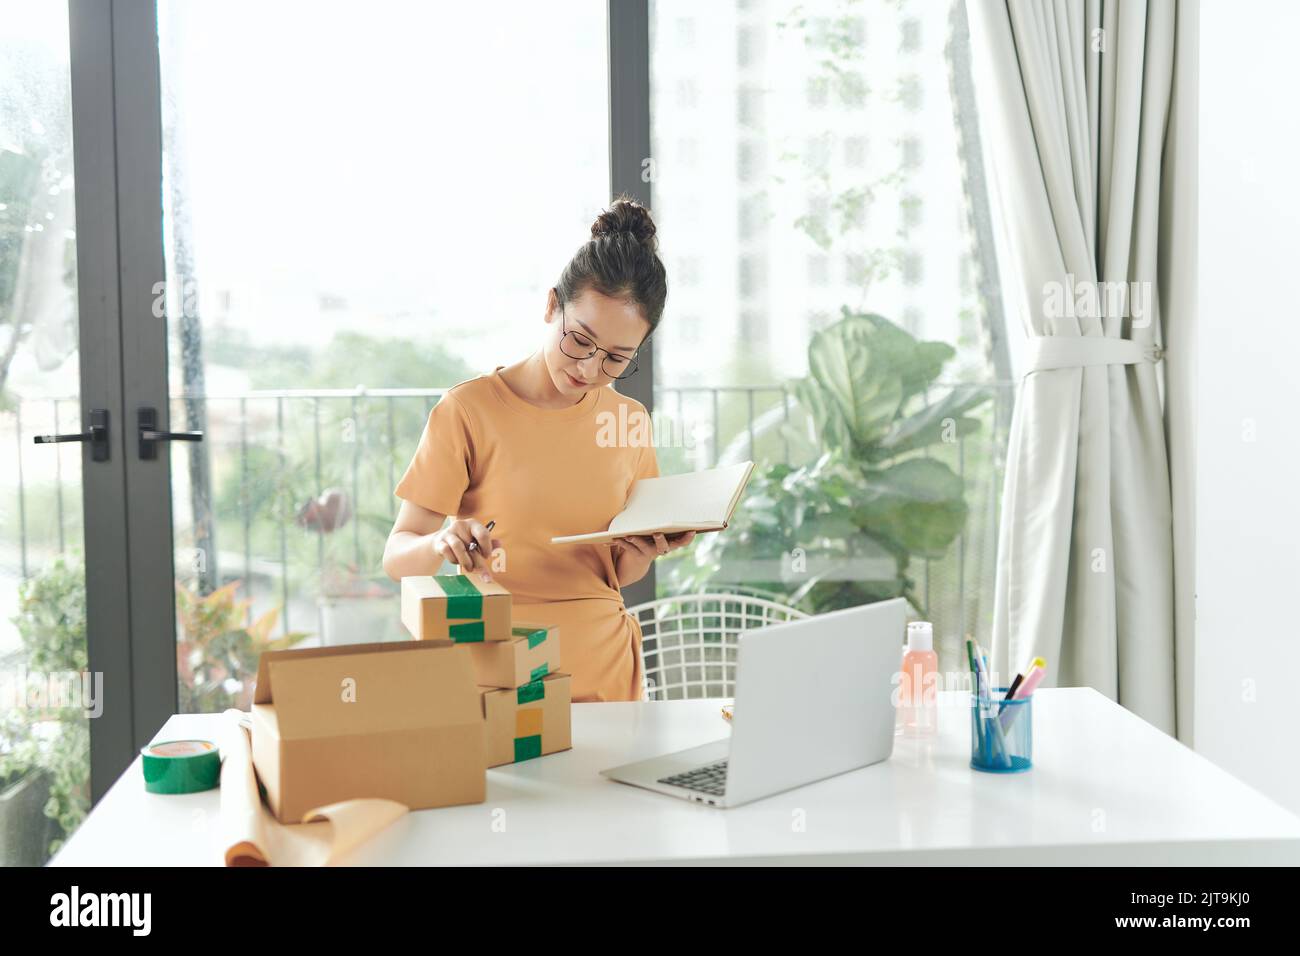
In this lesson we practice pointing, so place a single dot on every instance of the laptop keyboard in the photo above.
(710, 779)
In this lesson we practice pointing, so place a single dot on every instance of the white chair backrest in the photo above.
(689, 641)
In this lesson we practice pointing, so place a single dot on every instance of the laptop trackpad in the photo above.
(654, 768)
(701, 755)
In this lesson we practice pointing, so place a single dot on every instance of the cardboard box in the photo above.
(455, 608)
(529, 721)
(533, 653)
(402, 721)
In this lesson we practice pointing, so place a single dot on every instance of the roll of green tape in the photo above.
(181, 766)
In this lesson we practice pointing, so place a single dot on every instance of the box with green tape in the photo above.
(528, 721)
(532, 653)
(455, 608)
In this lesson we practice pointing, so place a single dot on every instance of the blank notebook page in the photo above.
(699, 498)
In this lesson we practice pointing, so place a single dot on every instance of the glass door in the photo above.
(48, 696)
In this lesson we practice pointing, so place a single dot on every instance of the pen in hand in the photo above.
(473, 546)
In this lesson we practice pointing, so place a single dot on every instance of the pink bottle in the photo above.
(918, 686)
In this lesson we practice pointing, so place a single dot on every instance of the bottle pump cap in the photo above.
(920, 636)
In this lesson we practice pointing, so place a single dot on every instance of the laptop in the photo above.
(813, 699)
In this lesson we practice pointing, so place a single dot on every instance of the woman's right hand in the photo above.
(452, 544)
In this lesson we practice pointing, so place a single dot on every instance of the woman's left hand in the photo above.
(656, 545)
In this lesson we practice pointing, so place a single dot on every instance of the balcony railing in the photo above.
(267, 453)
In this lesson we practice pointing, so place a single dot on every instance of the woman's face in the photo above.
(594, 320)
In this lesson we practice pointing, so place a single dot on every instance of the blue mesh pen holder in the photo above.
(1001, 733)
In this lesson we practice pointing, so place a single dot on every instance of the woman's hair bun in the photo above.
(626, 215)
(620, 259)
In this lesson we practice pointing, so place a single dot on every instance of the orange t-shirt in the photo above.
(488, 454)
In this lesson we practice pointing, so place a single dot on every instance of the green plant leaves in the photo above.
(917, 364)
(870, 502)
(917, 504)
(942, 421)
(852, 391)
(51, 619)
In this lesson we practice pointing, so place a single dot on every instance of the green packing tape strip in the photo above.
(538, 672)
(535, 635)
(464, 600)
(181, 766)
(533, 690)
(528, 747)
(466, 633)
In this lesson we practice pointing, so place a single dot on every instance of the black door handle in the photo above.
(97, 435)
(150, 436)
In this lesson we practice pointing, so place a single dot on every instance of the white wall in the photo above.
(1248, 395)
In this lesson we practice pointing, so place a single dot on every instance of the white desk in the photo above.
(1106, 788)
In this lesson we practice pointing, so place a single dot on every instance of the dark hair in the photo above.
(620, 260)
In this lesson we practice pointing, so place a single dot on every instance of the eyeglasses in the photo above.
(577, 346)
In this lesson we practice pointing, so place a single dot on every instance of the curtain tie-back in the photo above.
(1083, 351)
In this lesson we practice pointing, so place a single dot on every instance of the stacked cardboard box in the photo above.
(455, 609)
(526, 700)
(418, 721)
(528, 721)
(532, 652)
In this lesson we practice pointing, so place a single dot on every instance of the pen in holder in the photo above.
(1001, 732)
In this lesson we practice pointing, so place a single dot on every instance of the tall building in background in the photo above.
(805, 159)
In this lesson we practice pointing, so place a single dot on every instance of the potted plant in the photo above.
(45, 754)
(355, 608)
(217, 652)
(842, 527)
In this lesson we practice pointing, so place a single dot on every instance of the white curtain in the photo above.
(1074, 97)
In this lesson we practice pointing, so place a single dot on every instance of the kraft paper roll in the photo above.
(252, 836)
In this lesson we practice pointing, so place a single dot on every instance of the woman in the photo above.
(542, 448)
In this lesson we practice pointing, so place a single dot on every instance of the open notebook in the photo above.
(671, 504)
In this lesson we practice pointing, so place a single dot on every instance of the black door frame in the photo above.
(117, 139)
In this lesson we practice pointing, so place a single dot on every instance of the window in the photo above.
(819, 270)
(322, 235)
(913, 267)
(748, 104)
(751, 277)
(855, 151)
(852, 89)
(909, 31)
(745, 38)
(817, 152)
(751, 326)
(909, 211)
(749, 160)
(753, 215)
(818, 91)
(911, 152)
(910, 92)
(841, 228)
